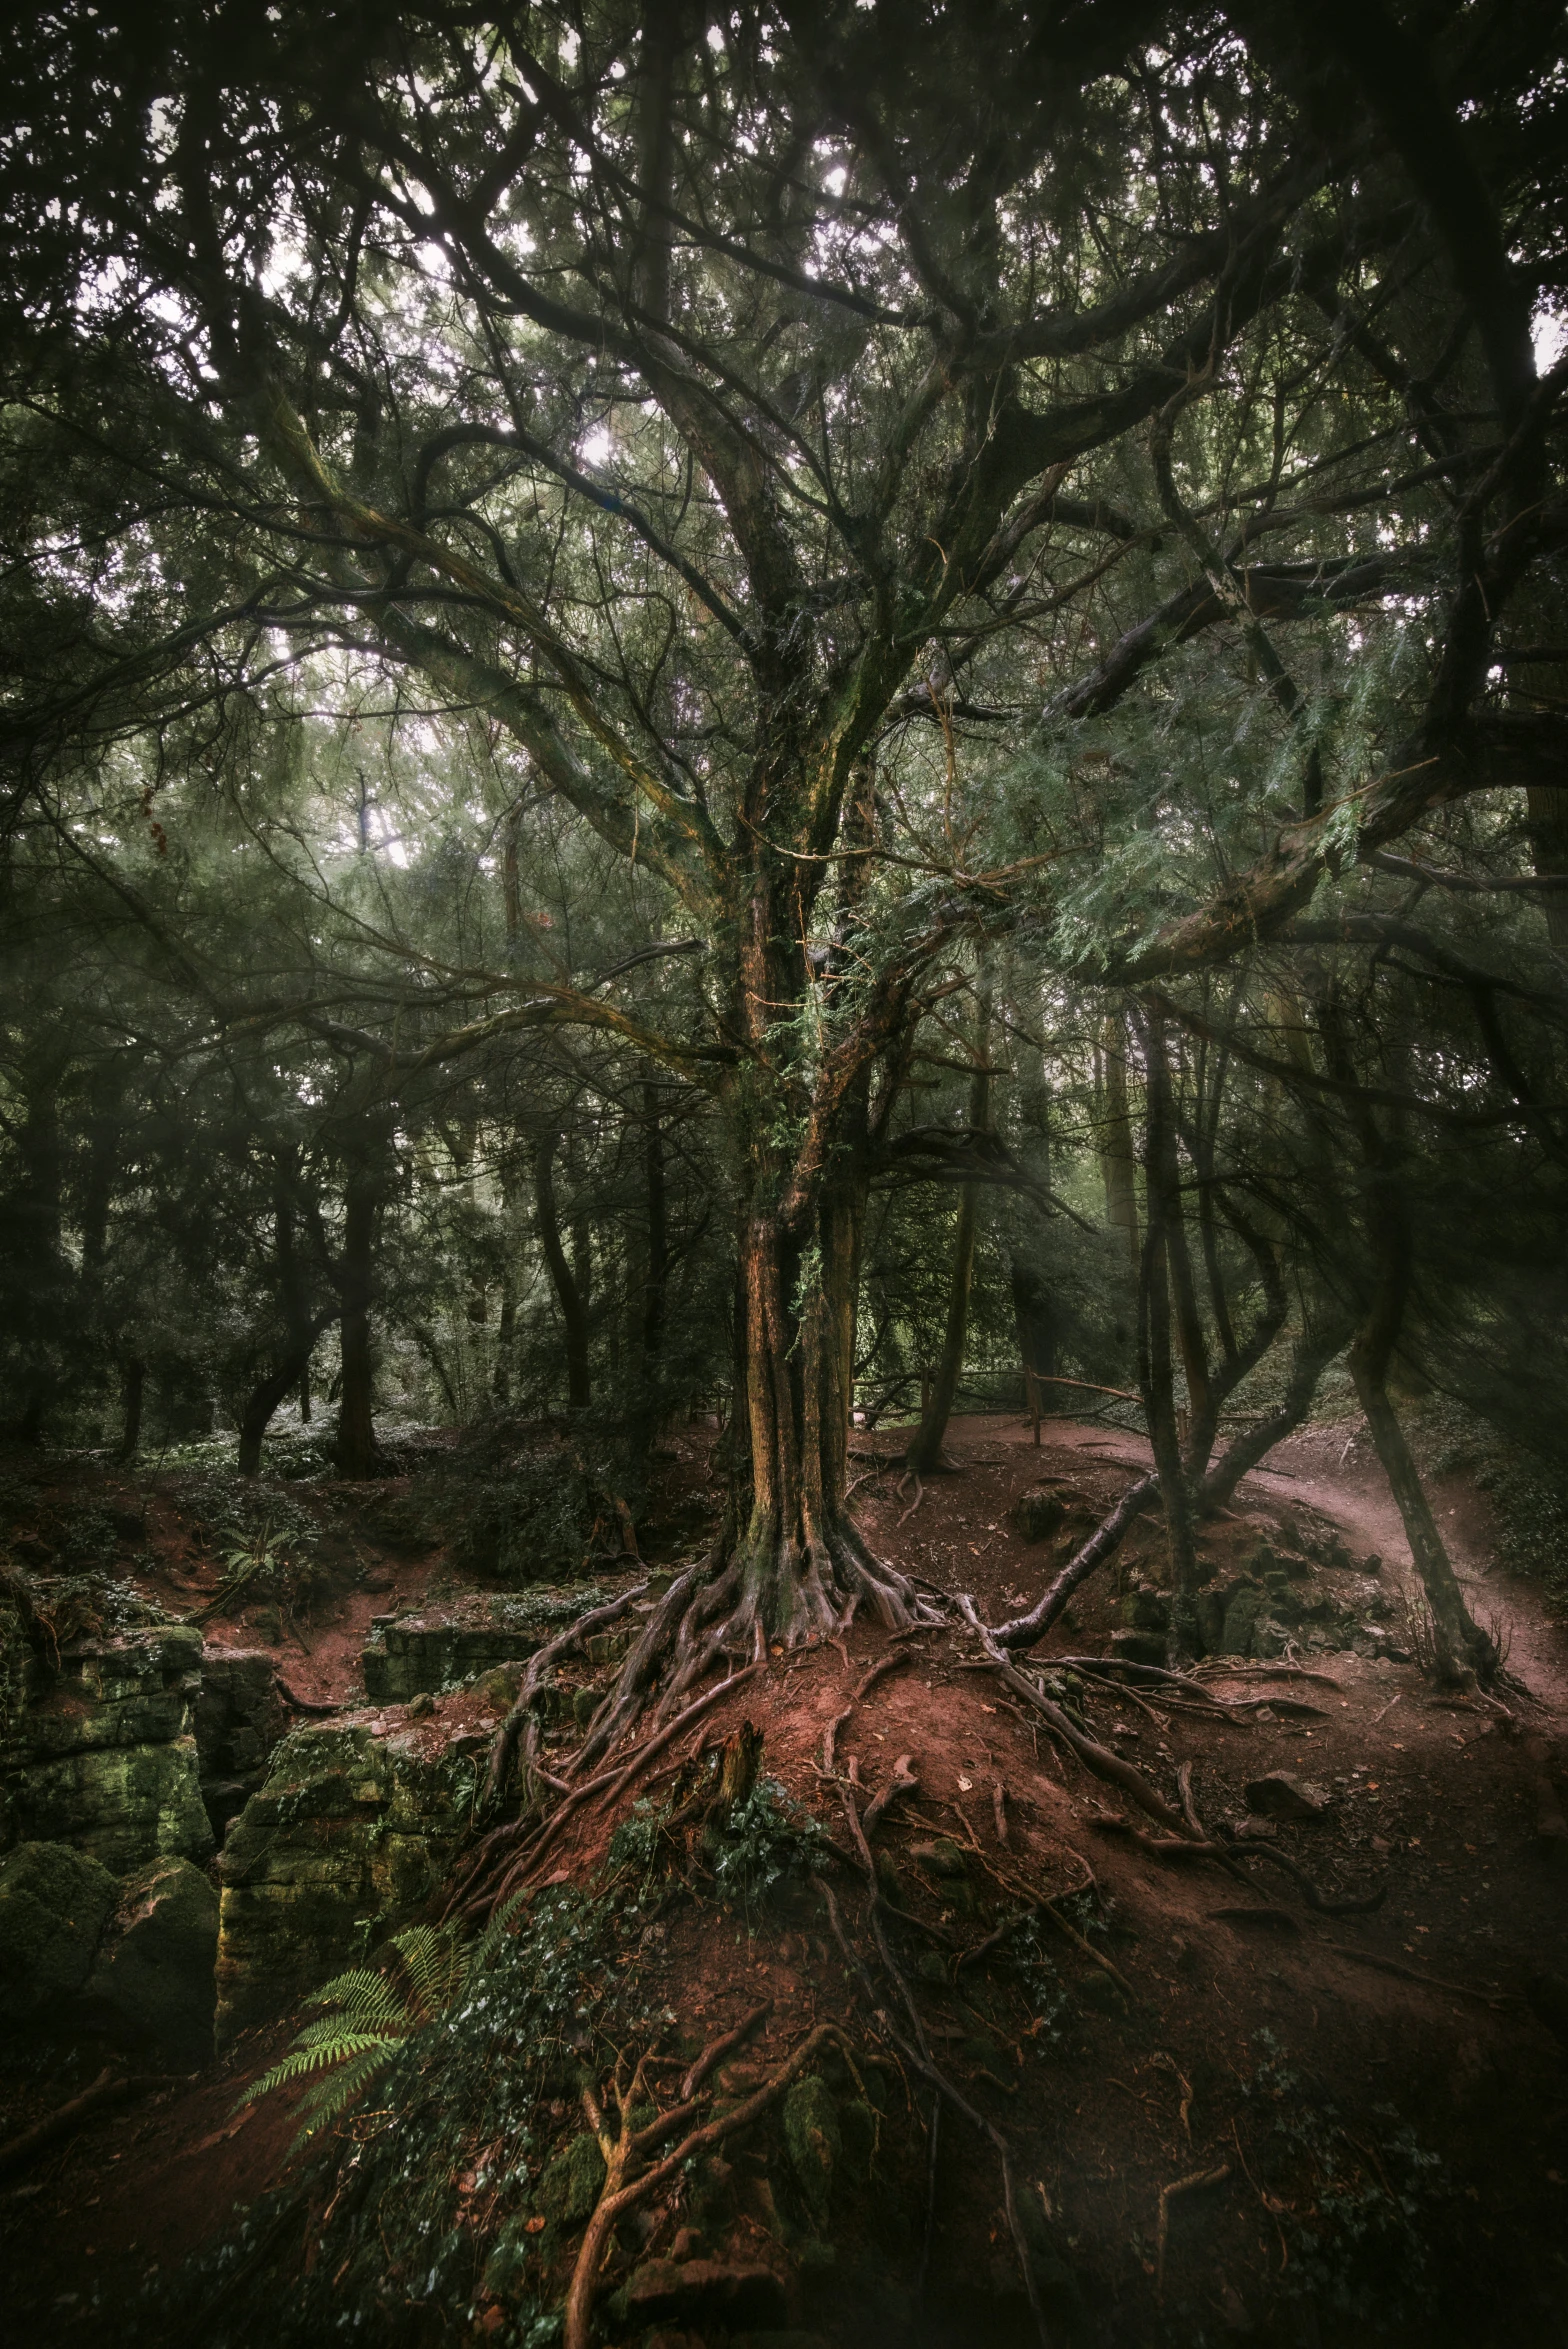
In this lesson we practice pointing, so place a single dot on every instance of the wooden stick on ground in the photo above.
(66, 2118)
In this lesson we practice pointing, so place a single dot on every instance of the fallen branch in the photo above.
(301, 1704)
(67, 2118)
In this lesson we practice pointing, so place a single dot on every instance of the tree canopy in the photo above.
(644, 642)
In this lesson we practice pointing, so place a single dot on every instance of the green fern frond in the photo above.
(435, 1963)
(333, 2030)
(360, 1982)
(374, 2000)
(321, 2057)
(340, 2088)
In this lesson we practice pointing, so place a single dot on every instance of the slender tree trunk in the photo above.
(304, 1393)
(356, 1432)
(262, 1402)
(1155, 1368)
(1461, 1647)
(657, 1269)
(1118, 1160)
(573, 1307)
(133, 1387)
(505, 1340)
(925, 1451)
(1035, 1323)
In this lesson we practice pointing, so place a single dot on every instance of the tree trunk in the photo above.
(657, 1269)
(1118, 1161)
(1155, 1369)
(925, 1451)
(133, 1387)
(1034, 1320)
(798, 1556)
(568, 1296)
(356, 1433)
(1461, 1647)
(263, 1400)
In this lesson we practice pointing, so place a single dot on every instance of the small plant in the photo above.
(369, 2015)
(1351, 2211)
(766, 1842)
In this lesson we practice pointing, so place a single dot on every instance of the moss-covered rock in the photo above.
(348, 1838)
(54, 1903)
(814, 2139)
(570, 2185)
(1243, 1605)
(123, 1804)
(153, 1977)
(99, 1752)
(446, 1645)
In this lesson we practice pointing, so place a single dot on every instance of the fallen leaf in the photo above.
(533, 2226)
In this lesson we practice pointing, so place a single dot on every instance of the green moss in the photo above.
(570, 2185)
(54, 1903)
(814, 2139)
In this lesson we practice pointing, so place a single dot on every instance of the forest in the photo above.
(784, 965)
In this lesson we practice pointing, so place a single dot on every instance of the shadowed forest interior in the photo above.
(783, 1161)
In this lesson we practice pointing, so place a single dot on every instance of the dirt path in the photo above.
(1333, 1470)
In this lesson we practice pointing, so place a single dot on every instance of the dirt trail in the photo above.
(1334, 1471)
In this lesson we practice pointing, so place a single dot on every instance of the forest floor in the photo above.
(1242, 2120)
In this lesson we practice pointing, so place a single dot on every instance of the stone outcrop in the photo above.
(54, 1904)
(152, 1979)
(443, 1646)
(239, 1719)
(131, 1959)
(97, 1750)
(347, 1840)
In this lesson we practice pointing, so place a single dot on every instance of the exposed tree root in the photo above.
(728, 1606)
(524, 1843)
(626, 2149)
(1095, 1757)
(916, 2051)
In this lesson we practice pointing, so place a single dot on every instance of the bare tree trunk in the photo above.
(356, 1432)
(1461, 1647)
(133, 1387)
(1156, 1375)
(925, 1450)
(657, 1268)
(1118, 1160)
(573, 1306)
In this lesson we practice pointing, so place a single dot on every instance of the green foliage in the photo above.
(1357, 2220)
(766, 1845)
(482, 2051)
(368, 2014)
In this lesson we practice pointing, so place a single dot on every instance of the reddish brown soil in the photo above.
(1432, 1796)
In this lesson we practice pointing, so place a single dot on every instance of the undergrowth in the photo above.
(1355, 2216)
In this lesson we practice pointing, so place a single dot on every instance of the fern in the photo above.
(370, 2016)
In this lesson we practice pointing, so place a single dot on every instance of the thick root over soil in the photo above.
(726, 1611)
